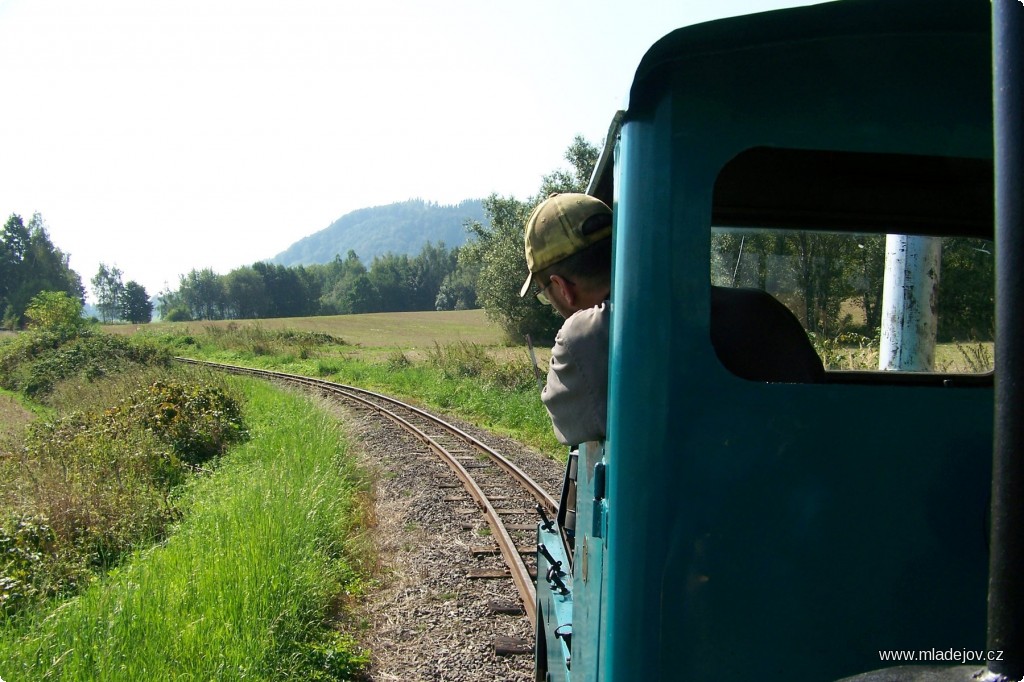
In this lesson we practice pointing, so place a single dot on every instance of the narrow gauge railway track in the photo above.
(446, 441)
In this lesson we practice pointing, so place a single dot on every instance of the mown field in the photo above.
(370, 333)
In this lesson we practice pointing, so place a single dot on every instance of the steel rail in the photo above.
(519, 572)
(515, 472)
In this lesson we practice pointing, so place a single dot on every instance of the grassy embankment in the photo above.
(453, 362)
(119, 562)
(137, 542)
(241, 590)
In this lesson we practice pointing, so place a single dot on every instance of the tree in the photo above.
(867, 272)
(822, 268)
(391, 276)
(108, 289)
(582, 157)
(246, 294)
(55, 311)
(394, 282)
(815, 272)
(360, 296)
(30, 264)
(291, 292)
(48, 266)
(967, 291)
(348, 288)
(429, 268)
(202, 293)
(13, 241)
(498, 249)
(458, 288)
(135, 304)
(171, 306)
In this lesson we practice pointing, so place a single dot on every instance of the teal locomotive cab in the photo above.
(771, 505)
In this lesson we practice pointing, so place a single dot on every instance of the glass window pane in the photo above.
(835, 283)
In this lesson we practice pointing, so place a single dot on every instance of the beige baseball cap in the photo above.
(561, 225)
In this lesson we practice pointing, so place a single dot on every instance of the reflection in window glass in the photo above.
(835, 282)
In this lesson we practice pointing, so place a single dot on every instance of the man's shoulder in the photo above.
(588, 321)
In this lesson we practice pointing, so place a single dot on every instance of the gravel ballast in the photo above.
(428, 621)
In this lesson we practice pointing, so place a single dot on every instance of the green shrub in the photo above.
(36, 361)
(100, 487)
(846, 350)
(260, 570)
(333, 656)
(92, 486)
(55, 311)
(178, 314)
(515, 376)
(198, 422)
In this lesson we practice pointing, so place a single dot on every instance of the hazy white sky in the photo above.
(164, 136)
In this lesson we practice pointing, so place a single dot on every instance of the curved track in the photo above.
(447, 442)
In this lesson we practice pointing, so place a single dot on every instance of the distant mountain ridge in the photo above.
(399, 228)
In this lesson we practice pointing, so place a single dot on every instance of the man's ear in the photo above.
(565, 289)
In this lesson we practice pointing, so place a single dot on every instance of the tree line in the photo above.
(429, 280)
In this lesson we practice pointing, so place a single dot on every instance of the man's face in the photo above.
(554, 293)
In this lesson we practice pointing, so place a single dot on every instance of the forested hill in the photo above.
(402, 228)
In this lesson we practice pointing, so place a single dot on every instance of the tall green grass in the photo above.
(248, 587)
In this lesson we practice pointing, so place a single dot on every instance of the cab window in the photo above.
(886, 260)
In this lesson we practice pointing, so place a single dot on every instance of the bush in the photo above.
(55, 311)
(88, 498)
(34, 362)
(460, 360)
(178, 314)
(397, 361)
(90, 487)
(260, 570)
(197, 422)
(515, 376)
(846, 351)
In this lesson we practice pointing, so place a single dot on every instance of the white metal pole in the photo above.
(909, 299)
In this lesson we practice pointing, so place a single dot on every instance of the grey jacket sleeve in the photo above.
(576, 394)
